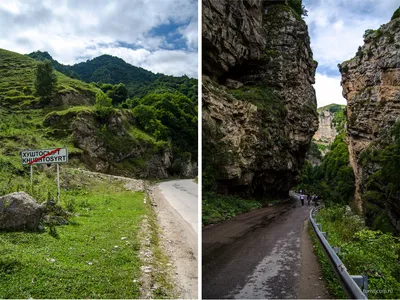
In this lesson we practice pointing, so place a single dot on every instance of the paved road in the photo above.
(183, 197)
(258, 255)
(176, 205)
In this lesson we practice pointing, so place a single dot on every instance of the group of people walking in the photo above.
(311, 198)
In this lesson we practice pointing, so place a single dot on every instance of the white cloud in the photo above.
(73, 29)
(190, 32)
(336, 30)
(170, 62)
(328, 90)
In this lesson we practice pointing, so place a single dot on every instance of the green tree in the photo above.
(147, 120)
(103, 104)
(102, 100)
(118, 93)
(46, 81)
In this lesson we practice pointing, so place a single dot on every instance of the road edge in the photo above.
(177, 244)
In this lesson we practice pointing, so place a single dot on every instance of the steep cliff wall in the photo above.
(326, 130)
(371, 85)
(259, 106)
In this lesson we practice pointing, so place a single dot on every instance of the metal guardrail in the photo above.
(351, 285)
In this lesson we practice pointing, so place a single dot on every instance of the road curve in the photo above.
(260, 255)
(182, 195)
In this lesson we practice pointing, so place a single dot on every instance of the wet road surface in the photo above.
(257, 255)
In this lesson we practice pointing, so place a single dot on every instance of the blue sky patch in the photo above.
(170, 31)
(331, 71)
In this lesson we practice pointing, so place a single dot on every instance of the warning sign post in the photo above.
(46, 156)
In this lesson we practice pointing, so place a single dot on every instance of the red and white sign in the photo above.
(44, 156)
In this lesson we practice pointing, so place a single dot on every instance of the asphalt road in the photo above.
(175, 203)
(257, 255)
(182, 195)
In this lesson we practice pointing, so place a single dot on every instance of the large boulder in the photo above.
(19, 211)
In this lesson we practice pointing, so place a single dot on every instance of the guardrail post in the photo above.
(362, 282)
(325, 234)
(365, 286)
(336, 249)
(319, 227)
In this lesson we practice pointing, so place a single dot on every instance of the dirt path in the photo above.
(179, 240)
(259, 255)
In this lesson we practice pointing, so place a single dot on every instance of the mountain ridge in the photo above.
(113, 70)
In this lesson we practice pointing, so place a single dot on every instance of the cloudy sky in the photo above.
(336, 29)
(158, 35)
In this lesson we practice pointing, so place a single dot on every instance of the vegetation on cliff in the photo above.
(169, 127)
(396, 14)
(383, 181)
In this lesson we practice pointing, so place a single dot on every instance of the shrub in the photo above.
(364, 251)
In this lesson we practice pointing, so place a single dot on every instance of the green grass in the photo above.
(217, 208)
(83, 261)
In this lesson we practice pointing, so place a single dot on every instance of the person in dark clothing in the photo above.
(308, 199)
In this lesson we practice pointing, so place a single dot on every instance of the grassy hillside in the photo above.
(21, 123)
(133, 141)
(17, 75)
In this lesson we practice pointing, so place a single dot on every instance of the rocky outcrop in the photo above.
(19, 211)
(70, 98)
(371, 85)
(108, 144)
(259, 106)
(326, 130)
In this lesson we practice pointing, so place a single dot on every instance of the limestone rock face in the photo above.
(19, 211)
(259, 106)
(108, 147)
(371, 85)
(326, 129)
